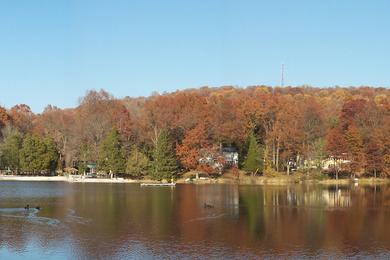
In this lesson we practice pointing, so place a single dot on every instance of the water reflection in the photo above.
(122, 220)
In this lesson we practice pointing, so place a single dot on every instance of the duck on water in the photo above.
(27, 207)
(208, 206)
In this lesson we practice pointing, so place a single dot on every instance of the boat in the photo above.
(172, 184)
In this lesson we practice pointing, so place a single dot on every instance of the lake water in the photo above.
(126, 221)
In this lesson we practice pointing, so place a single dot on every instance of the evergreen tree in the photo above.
(38, 154)
(51, 155)
(164, 161)
(138, 163)
(30, 154)
(9, 151)
(111, 156)
(254, 161)
(82, 167)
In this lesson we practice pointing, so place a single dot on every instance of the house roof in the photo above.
(229, 150)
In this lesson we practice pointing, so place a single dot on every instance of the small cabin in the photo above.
(220, 158)
(90, 167)
(230, 155)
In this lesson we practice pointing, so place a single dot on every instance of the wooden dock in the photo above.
(158, 184)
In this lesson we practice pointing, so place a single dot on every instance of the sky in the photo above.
(52, 52)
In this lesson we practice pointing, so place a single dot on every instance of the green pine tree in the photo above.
(164, 160)
(28, 154)
(254, 161)
(9, 151)
(82, 167)
(37, 154)
(138, 163)
(111, 157)
(50, 156)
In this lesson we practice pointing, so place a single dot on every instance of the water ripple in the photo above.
(71, 217)
(28, 214)
(206, 217)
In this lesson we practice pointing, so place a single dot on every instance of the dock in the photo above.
(158, 184)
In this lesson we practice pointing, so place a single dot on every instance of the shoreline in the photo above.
(63, 179)
(261, 180)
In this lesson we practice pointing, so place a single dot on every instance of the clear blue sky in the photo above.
(51, 52)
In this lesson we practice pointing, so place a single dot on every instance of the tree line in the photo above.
(161, 135)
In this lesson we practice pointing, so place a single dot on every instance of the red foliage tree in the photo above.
(189, 151)
(355, 150)
(375, 163)
(22, 117)
(4, 117)
(336, 147)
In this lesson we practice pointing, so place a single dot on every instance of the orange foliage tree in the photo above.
(189, 151)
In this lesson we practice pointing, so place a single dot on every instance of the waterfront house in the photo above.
(230, 155)
(220, 158)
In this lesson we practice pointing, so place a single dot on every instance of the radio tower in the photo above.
(282, 79)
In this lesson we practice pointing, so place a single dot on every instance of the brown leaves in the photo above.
(288, 121)
(4, 117)
(22, 117)
(189, 151)
(336, 145)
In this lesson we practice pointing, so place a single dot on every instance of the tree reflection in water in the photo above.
(121, 220)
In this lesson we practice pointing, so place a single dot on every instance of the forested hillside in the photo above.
(292, 124)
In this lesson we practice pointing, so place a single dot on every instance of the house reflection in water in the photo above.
(298, 196)
(246, 221)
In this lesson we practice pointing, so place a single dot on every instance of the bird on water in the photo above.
(208, 206)
(27, 207)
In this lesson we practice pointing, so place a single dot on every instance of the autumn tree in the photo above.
(350, 110)
(164, 160)
(313, 129)
(355, 149)
(59, 125)
(288, 132)
(336, 148)
(156, 116)
(4, 118)
(293, 123)
(386, 164)
(316, 153)
(94, 119)
(122, 121)
(223, 120)
(22, 117)
(374, 152)
(189, 151)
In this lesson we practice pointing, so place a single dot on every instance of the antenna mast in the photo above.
(282, 79)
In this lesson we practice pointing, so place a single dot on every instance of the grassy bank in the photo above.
(242, 179)
(275, 178)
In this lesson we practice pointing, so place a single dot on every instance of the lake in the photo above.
(125, 221)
